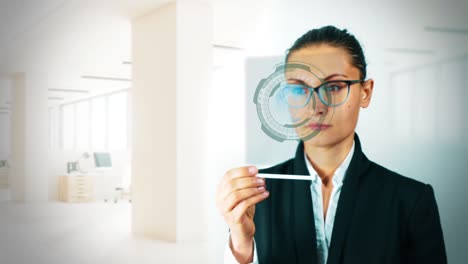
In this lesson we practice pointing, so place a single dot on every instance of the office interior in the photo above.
(119, 118)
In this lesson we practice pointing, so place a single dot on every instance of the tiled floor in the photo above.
(92, 233)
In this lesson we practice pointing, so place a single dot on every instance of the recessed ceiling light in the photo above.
(411, 51)
(68, 91)
(55, 98)
(104, 78)
(463, 31)
(218, 46)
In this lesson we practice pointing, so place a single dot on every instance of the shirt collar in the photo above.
(340, 172)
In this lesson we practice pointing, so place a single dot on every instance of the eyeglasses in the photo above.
(332, 93)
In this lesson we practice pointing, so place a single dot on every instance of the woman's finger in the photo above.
(237, 197)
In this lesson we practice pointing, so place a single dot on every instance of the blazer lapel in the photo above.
(304, 226)
(346, 203)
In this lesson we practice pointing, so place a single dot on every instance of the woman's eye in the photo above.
(295, 90)
(334, 87)
(298, 90)
(296, 96)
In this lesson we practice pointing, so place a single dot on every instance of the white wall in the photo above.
(194, 74)
(426, 138)
(29, 176)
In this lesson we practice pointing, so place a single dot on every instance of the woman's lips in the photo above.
(318, 126)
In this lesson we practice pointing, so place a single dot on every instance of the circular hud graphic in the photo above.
(288, 107)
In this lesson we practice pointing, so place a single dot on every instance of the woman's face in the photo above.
(335, 124)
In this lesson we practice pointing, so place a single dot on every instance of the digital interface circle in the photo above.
(288, 111)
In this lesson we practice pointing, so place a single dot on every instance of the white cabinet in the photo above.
(76, 188)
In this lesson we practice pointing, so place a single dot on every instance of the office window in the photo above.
(117, 121)
(53, 127)
(82, 125)
(68, 126)
(97, 124)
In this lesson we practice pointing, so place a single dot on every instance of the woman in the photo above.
(354, 211)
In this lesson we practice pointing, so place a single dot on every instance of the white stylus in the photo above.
(285, 176)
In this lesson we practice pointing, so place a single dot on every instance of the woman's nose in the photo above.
(317, 107)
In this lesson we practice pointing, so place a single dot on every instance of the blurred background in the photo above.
(118, 118)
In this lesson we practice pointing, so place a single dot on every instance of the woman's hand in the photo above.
(238, 192)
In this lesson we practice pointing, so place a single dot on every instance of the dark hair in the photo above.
(335, 37)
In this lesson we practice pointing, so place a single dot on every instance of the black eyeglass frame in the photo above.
(316, 90)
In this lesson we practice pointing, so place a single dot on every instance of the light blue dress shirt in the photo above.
(323, 227)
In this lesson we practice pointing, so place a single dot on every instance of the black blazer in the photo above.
(382, 217)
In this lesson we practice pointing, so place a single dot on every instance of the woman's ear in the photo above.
(366, 93)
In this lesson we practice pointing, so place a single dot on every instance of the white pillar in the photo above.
(28, 177)
(154, 129)
(194, 80)
(172, 66)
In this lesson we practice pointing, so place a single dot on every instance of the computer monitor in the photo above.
(102, 160)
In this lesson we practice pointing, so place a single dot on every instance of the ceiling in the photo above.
(72, 38)
(67, 39)
(392, 32)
